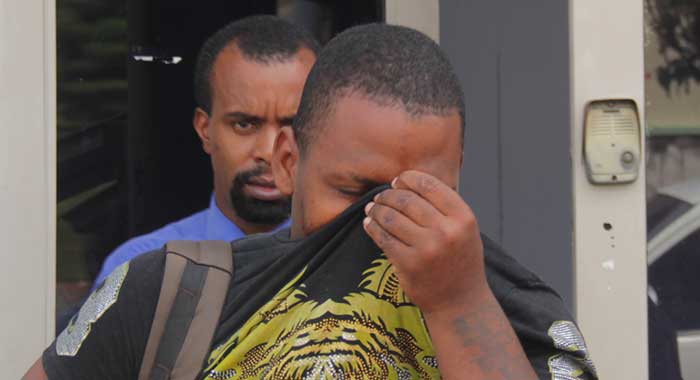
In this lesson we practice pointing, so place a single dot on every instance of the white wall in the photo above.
(610, 266)
(27, 182)
(423, 15)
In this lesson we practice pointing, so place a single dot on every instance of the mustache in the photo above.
(246, 176)
(272, 212)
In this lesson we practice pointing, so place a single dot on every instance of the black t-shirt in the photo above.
(106, 340)
(113, 345)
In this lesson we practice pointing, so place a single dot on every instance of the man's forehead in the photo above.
(367, 141)
(251, 85)
(233, 67)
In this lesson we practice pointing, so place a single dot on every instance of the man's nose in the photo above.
(264, 143)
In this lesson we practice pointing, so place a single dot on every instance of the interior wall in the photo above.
(512, 58)
(423, 15)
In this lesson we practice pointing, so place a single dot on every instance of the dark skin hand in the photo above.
(431, 236)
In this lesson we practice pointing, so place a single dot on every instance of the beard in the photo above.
(254, 210)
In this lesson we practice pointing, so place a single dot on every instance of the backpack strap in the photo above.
(192, 295)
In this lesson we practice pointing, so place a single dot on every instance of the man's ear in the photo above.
(285, 157)
(200, 122)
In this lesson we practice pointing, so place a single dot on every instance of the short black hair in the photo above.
(261, 38)
(390, 64)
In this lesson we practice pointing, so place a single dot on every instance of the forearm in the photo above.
(476, 341)
(36, 372)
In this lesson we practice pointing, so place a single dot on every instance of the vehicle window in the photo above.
(676, 281)
(661, 210)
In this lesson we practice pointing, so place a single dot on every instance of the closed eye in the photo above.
(354, 193)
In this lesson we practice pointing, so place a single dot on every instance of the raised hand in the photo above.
(431, 237)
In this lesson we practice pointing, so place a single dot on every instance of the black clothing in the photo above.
(112, 345)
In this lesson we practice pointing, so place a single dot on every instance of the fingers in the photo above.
(395, 223)
(437, 193)
(388, 243)
(409, 204)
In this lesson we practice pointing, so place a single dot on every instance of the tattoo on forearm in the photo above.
(496, 351)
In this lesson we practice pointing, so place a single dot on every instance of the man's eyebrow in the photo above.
(287, 119)
(242, 116)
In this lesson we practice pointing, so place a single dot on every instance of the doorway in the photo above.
(128, 158)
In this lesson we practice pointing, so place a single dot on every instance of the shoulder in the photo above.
(505, 273)
(107, 336)
(134, 282)
(263, 241)
(189, 228)
(520, 291)
(134, 247)
(253, 253)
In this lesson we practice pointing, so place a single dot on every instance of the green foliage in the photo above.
(677, 25)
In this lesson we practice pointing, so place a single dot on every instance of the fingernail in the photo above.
(393, 182)
(366, 221)
(369, 207)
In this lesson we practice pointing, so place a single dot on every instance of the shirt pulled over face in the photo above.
(338, 311)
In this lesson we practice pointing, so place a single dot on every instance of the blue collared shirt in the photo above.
(208, 224)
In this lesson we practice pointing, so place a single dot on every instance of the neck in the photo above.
(296, 231)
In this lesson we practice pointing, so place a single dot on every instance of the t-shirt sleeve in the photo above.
(552, 341)
(107, 337)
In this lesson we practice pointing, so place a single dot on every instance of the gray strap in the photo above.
(213, 253)
(181, 315)
(174, 267)
(187, 314)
